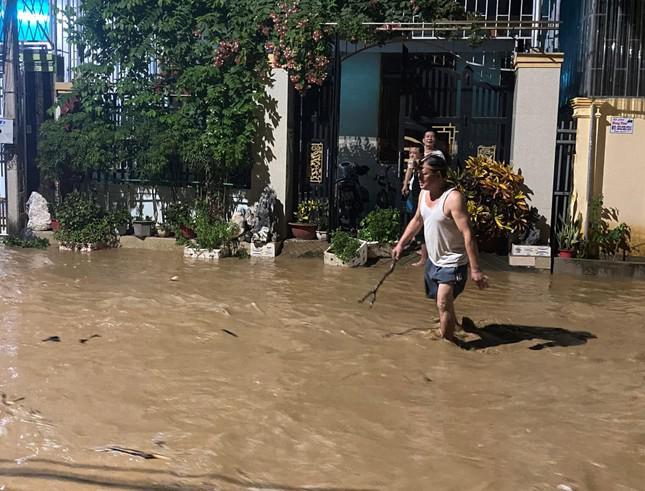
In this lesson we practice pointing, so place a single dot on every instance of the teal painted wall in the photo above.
(359, 95)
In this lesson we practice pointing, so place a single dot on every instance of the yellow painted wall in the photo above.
(619, 160)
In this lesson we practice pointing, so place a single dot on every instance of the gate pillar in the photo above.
(535, 117)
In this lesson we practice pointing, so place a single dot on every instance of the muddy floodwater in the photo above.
(270, 376)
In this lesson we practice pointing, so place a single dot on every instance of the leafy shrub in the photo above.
(121, 217)
(602, 241)
(176, 215)
(212, 233)
(34, 242)
(344, 246)
(495, 196)
(83, 222)
(380, 225)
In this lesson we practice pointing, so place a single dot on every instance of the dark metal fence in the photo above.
(611, 49)
(565, 149)
(3, 192)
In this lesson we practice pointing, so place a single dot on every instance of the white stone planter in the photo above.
(82, 248)
(142, 228)
(269, 250)
(206, 254)
(531, 256)
(530, 250)
(377, 250)
(332, 259)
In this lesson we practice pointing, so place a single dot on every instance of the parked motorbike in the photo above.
(351, 196)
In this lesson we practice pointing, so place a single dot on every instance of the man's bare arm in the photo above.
(456, 208)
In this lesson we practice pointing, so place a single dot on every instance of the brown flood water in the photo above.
(316, 391)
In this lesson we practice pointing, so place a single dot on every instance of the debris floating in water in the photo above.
(132, 451)
(174, 278)
(55, 339)
(85, 340)
(230, 332)
(7, 402)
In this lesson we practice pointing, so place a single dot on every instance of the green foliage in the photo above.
(242, 253)
(344, 246)
(205, 105)
(211, 232)
(177, 215)
(83, 223)
(307, 211)
(313, 211)
(601, 240)
(35, 242)
(496, 197)
(380, 225)
(121, 217)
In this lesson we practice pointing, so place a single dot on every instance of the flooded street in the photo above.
(270, 376)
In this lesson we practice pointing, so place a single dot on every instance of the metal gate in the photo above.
(565, 149)
(3, 165)
(3, 192)
(468, 110)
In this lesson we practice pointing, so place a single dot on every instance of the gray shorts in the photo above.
(434, 275)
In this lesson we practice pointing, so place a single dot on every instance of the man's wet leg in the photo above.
(445, 304)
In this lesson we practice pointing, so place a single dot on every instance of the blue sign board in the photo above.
(34, 21)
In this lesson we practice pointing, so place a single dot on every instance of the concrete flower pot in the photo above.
(332, 259)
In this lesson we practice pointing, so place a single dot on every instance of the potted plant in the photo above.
(121, 219)
(179, 218)
(143, 226)
(345, 250)
(305, 226)
(380, 229)
(568, 236)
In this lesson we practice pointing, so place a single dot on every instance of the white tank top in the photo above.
(444, 241)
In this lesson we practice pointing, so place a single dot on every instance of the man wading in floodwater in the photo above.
(449, 239)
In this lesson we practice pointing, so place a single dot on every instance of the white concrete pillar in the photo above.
(274, 150)
(535, 117)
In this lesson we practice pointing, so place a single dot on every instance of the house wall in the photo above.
(618, 160)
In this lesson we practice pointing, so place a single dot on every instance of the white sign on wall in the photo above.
(623, 126)
(6, 131)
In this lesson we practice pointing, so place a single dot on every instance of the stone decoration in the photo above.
(259, 223)
(38, 212)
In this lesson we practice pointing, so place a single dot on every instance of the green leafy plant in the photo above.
(121, 217)
(344, 246)
(33, 243)
(568, 232)
(205, 105)
(212, 232)
(177, 215)
(381, 225)
(83, 223)
(601, 240)
(307, 211)
(496, 197)
(322, 214)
